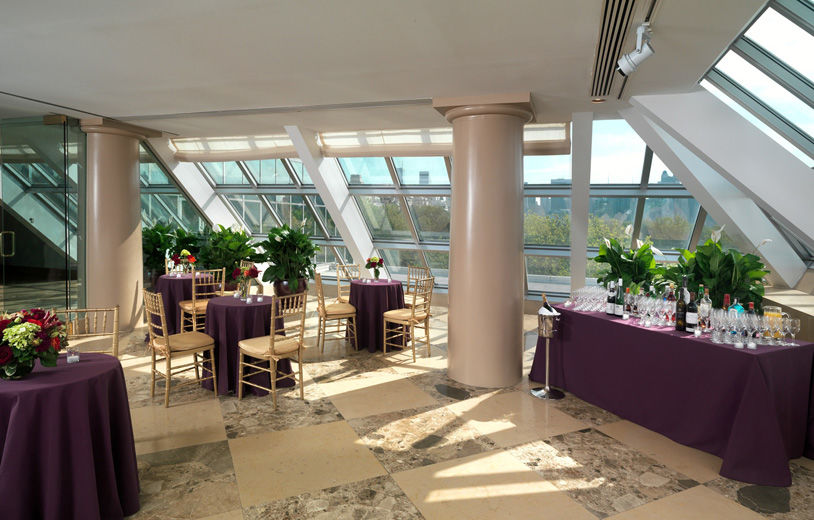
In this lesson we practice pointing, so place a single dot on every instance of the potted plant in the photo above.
(290, 254)
(155, 241)
(225, 247)
(187, 241)
(634, 266)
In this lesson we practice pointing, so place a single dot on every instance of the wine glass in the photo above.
(715, 325)
(661, 310)
(792, 327)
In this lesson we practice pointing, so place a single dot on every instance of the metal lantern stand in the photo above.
(546, 328)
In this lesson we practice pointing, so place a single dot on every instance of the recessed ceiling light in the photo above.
(597, 100)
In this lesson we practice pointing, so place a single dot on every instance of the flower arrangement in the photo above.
(375, 263)
(244, 279)
(184, 258)
(26, 336)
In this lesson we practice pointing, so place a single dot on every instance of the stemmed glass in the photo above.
(792, 326)
(661, 310)
(753, 326)
(715, 326)
(776, 327)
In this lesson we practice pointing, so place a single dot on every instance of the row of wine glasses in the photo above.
(751, 330)
(590, 299)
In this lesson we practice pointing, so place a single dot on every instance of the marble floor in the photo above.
(380, 437)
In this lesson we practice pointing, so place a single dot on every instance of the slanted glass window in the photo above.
(768, 91)
(384, 217)
(292, 211)
(397, 260)
(324, 216)
(609, 217)
(668, 222)
(225, 172)
(251, 210)
(789, 42)
(300, 171)
(365, 170)
(150, 172)
(548, 274)
(438, 262)
(269, 171)
(547, 221)
(421, 171)
(710, 225)
(547, 169)
(617, 153)
(431, 216)
(660, 174)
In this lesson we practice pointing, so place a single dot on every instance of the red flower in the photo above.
(191, 259)
(236, 273)
(253, 272)
(381, 261)
(5, 354)
(55, 343)
(3, 325)
(35, 322)
(176, 259)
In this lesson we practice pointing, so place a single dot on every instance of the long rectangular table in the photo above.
(752, 408)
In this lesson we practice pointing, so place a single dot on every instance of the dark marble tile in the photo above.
(445, 390)
(791, 503)
(359, 364)
(603, 475)
(582, 410)
(412, 438)
(377, 498)
(138, 391)
(187, 483)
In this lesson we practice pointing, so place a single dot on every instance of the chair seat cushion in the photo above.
(198, 308)
(259, 346)
(404, 315)
(185, 341)
(339, 309)
(408, 300)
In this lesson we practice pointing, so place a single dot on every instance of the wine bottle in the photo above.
(726, 302)
(619, 303)
(751, 309)
(610, 306)
(681, 308)
(692, 321)
(629, 306)
(671, 298)
(704, 310)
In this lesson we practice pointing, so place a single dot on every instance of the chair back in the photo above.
(423, 289)
(344, 274)
(414, 273)
(156, 321)
(291, 310)
(245, 264)
(207, 283)
(93, 330)
(320, 294)
(172, 267)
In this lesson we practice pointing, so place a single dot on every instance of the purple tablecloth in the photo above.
(66, 443)
(174, 290)
(752, 408)
(372, 299)
(230, 320)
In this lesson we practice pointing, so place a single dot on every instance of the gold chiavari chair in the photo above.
(344, 274)
(93, 330)
(397, 323)
(245, 264)
(205, 284)
(167, 347)
(172, 267)
(333, 311)
(278, 345)
(414, 273)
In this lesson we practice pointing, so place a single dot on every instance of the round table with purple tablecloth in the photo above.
(230, 320)
(173, 290)
(66, 443)
(372, 298)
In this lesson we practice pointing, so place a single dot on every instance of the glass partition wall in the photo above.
(42, 161)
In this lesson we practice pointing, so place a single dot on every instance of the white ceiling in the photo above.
(174, 66)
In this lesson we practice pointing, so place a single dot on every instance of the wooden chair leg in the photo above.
(240, 376)
(321, 335)
(427, 334)
(355, 335)
(273, 376)
(412, 342)
(167, 377)
(152, 372)
(195, 362)
(299, 364)
(212, 369)
(384, 337)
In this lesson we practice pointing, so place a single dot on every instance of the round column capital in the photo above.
(521, 113)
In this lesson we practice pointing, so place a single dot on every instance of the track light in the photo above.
(630, 62)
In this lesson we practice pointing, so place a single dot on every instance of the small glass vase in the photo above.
(375, 273)
(244, 290)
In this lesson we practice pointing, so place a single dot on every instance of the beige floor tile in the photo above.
(698, 503)
(237, 514)
(491, 485)
(513, 418)
(385, 396)
(696, 464)
(156, 428)
(805, 462)
(275, 465)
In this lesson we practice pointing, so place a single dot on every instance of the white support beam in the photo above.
(775, 180)
(196, 186)
(720, 198)
(330, 183)
(580, 195)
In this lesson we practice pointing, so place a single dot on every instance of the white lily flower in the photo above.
(656, 250)
(764, 242)
(639, 243)
(284, 232)
(716, 235)
(629, 230)
(607, 242)
(278, 239)
(304, 222)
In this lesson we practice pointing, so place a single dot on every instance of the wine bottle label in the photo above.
(609, 308)
(692, 318)
(617, 310)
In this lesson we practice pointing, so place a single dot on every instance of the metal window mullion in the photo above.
(292, 175)
(448, 163)
(391, 168)
(801, 13)
(776, 69)
(646, 165)
(270, 208)
(698, 228)
(637, 220)
(316, 217)
(246, 174)
(174, 182)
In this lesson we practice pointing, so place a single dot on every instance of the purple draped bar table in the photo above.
(230, 320)
(752, 408)
(66, 443)
(372, 299)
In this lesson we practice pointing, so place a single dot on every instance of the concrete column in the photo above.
(580, 195)
(485, 345)
(113, 213)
